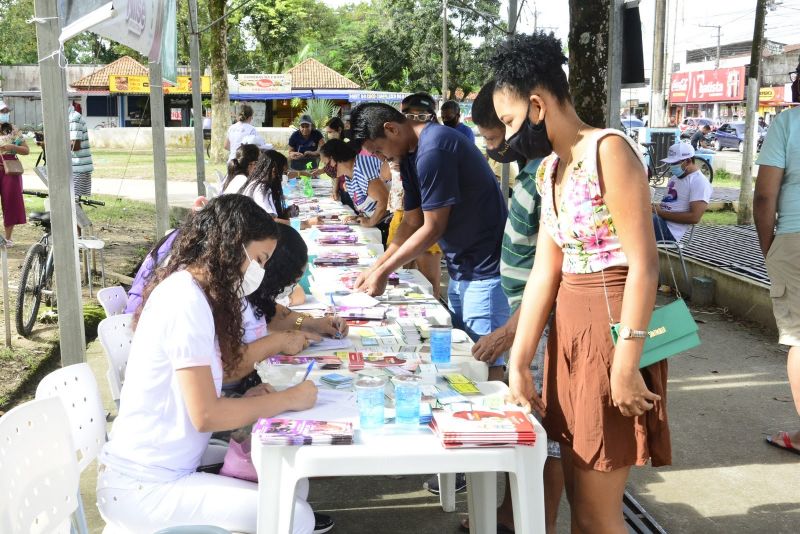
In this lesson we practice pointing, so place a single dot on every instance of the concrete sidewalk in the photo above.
(725, 397)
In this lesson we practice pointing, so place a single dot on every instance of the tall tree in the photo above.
(588, 58)
(220, 99)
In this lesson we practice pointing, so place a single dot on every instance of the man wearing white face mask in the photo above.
(688, 194)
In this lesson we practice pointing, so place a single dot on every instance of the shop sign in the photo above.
(719, 85)
(184, 86)
(141, 85)
(264, 83)
(771, 94)
(175, 114)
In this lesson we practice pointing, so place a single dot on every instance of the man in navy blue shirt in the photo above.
(451, 116)
(451, 197)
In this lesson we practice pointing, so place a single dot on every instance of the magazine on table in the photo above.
(338, 239)
(278, 431)
(483, 427)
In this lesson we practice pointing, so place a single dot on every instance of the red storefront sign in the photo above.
(720, 85)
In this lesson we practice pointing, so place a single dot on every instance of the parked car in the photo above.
(693, 123)
(731, 135)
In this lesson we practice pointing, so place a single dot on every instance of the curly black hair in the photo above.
(335, 123)
(266, 178)
(212, 241)
(526, 62)
(367, 120)
(483, 113)
(283, 269)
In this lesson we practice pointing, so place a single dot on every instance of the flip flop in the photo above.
(786, 445)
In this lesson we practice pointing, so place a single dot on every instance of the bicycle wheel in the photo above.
(29, 295)
(705, 168)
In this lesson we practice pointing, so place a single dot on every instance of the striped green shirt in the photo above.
(519, 238)
(81, 159)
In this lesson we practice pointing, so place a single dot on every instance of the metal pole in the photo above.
(745, 212)
(72, 340)
(159, 149)
(614, 76)
(657, 81)
(6, 303)
(444, 51)
(197, 99)
(505, 173)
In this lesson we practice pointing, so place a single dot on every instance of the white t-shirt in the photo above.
(153, 438)
(237, 132)
(693, 187)
(265, 201)
(254, 327)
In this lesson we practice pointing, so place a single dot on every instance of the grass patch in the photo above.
(723, 178)
(119, 210)
(137, 164)
(719, 218)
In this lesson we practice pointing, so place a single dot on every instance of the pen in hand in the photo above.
(308, 370)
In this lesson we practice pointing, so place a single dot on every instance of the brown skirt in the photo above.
(577, 390)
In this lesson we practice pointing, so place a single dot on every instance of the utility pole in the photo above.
(159, 148)
(197, 99)
(444, 51)
(745, 213)
(71, 337)
(614, 74)
(716, 62)
(505, 170)
(657, 79)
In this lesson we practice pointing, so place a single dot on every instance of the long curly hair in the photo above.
(284, 268)
(266, 178)
(212, 242)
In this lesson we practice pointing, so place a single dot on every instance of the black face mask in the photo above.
(503, 154)
(796, 87)
(452, 123)
(531, 139)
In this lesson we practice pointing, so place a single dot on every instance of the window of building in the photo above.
(101, 106)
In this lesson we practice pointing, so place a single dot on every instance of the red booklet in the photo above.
(356, 361)
(483, 427)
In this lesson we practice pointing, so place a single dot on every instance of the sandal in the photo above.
(785, 442)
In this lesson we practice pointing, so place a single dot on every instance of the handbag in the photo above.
(238, 463)
(12, 166)
(672, 329)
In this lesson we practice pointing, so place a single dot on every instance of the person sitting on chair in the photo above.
(688, 193)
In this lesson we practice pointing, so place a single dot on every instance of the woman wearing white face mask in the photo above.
(187, 334)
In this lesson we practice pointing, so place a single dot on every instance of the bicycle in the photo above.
(659, 175)
(111, 123)
(36, 279)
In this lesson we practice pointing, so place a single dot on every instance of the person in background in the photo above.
(596, 256)
(186, 337)
(207, 121)
(264, 185)
(451, 116)
(516, 263)
(687, 198)
(304, 145)
(239, 130)
(82, 166)
(698, 138)
(12, 144)
(241, 165)
(418, 107)
(776, 210)
(762, 123)
(363, 182)
(335, 130)
(348, 129)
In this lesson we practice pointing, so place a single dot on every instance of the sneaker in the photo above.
(9, 243)
(432, 484)
(322, 523)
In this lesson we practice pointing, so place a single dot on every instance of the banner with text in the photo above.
(264, 83)
(141, 85)
(720, 85)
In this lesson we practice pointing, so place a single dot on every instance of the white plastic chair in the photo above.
(669, 245)
(113, 299)
(115, 336)
(220, 177)
(76, 386)
(38, 468)
(212, 190)
(87, 244)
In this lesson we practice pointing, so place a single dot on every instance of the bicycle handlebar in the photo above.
(85, 201)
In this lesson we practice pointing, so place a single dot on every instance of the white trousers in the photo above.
(131, 506)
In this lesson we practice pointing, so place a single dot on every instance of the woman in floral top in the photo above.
(596, 261)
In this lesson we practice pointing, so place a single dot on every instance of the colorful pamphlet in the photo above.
(356, 361)
(336, 259)
(277, 431)
(344, 228)
(338, 239)
(483, 428)
(337, 380)
(376, 313)
(462, 384)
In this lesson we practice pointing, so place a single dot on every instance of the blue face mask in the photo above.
(5, 117)
(676, 170)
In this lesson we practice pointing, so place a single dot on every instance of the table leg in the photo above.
(447, 491)
(527, 489)
(276, 496)
(482, 501)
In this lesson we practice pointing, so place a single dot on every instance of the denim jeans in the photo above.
(661, 229)
(478, 307)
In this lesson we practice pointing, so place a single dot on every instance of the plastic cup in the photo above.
(296, 223)
(407, 398)
(441, 341)
(370, 396)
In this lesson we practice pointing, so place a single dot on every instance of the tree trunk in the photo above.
(220, 99)
(588, 58)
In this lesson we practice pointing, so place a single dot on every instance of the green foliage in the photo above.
(320, 111)
(92, 315)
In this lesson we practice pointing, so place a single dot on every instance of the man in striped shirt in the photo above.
(82, 167)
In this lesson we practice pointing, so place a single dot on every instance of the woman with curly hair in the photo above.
(187, 335)
(596, 262)
(263, 184)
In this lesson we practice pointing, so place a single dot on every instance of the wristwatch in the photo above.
(298, 323)
(627, 332)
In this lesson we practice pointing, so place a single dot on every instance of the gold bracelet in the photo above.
(298, 323)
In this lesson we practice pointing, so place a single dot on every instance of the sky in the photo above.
(735, 16)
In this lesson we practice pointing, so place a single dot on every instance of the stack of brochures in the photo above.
(482, 427)
(277, 431)
(337, 381)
